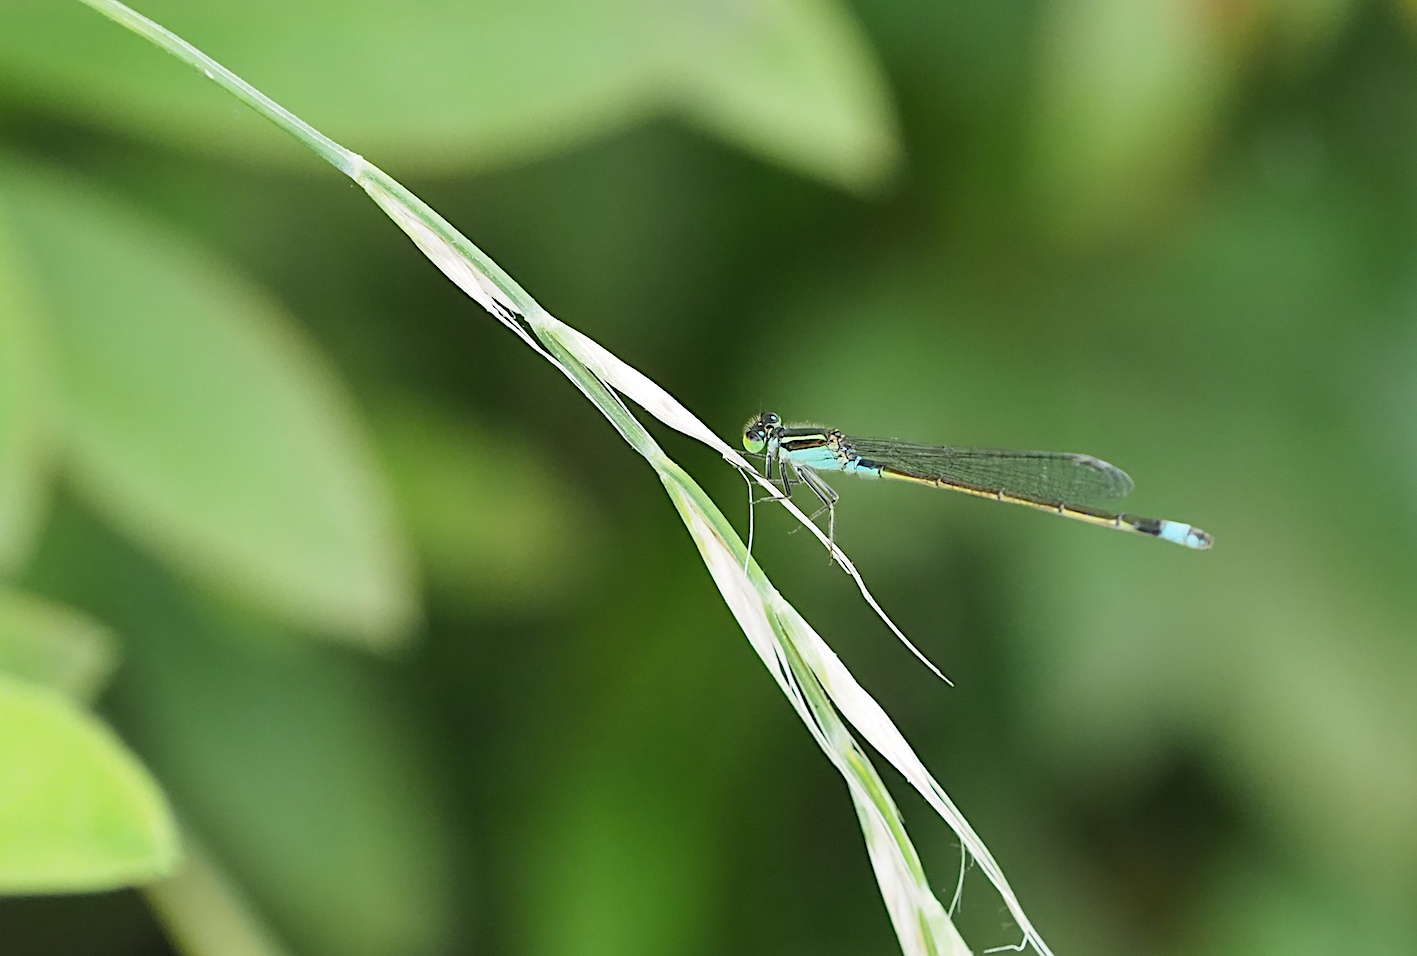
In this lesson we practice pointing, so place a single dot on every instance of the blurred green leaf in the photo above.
(795, 80)
(23, 420)
(1130, 95)
(290, 760)
(202, 422)
(433, 83)
(467, 85)
(54, 645)
(495, 525)
(77, 812)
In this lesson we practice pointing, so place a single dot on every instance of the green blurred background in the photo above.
(422, 656)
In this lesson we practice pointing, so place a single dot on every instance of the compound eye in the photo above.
(772, 419)
(755, 440)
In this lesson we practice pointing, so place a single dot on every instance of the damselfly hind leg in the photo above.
(826, 493)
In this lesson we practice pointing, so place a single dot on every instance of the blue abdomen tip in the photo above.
(1186, 535)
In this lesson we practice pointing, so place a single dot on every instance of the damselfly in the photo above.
(1053, 481)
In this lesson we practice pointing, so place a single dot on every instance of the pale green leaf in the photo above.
(77, 811)
(289, 759)
(794, 80)
(429, 82)
(481, 83)
(54, 645)
(201, 421)
(23, 431)
(292, 765)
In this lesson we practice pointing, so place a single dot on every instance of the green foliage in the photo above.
(1179, 237)
(496, 526)
(453, 85)
(284, 757)
(198, 420)
(791, 79)
(1132, 97)
(78, 812)
(24, 429)
(54, 645)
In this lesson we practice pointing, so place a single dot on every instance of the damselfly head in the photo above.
(755, 434)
